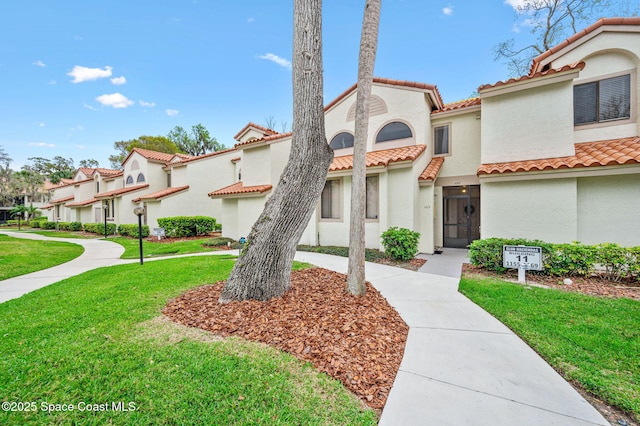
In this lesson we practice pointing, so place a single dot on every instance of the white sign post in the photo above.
(158, 232)
(522, 257)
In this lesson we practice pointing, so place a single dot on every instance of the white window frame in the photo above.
(368, 217)
(434, 128)
(337, 198)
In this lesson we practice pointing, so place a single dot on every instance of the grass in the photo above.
(91, 339)
(593, 340)
(64, 234)
(151, 249)
(19, 257)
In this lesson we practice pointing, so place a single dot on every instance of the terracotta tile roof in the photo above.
(380, 158)
(266, 139)
(575, 66)
(65, 181)
(47, 207)
(78, 182)
(458, 105)
(536, 65)
(62, 200)
(238, 188)
(613, 152)
(162, 157)
(161, 194)
(109, 172)
(267, 131)
(236, 159)
(48, 185)
(87, 170)
(391, 82)
(83, 203)
(200, 157)
(430, 173)
(118, 192)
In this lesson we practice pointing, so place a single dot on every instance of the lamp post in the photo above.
(139, 211)
(105, 207)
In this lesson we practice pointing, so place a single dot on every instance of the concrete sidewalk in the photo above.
(97, 253)
(461, 366)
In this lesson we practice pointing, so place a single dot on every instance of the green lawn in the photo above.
(19, 257)
(153, 249)
(91, 339)
(64, 234)
(593, 340)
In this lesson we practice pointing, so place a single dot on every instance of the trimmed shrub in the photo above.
(132, 230)
(48, 225)
(98, 228)
(75, 226)
(187, 226)
(400, 243)
(64, 226)
(218, 241)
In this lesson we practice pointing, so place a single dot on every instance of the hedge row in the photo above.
(98, 228)
(574, 259)
(188, 226)
(133, 231)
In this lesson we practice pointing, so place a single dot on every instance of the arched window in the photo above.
(393, 131)
(342, 140)
(129, 180)
(140, 178)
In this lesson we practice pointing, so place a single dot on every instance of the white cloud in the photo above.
(77, 128)
(172, 112)
(118, 80)
(277, 59)
(87, 106)
(250, 20)
(147, 104)
(81, 74)
(39, 63)
(42, 144)
(448, 10)
(52, 82)
(41, 124)
(515, 3)
(115, 100)
(80, 146)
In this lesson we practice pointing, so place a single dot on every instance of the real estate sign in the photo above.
(527, 258)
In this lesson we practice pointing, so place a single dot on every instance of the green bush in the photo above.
(98, 228)
(75, 226)
(187, 226)
(132, 231)
(48, 225)
(64, 226)
(13, 222)
(400, 243)
(562, 259)
(218, 241)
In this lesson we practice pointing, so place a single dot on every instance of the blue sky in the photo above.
(75, 77)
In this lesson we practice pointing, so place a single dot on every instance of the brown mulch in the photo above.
(412, 264)
(357, 340)
(594, 285)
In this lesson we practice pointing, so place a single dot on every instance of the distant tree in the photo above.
(54, 170)
(368, 48)
(197, 142)
(31, 211)
(153, 143)
(552, 21)
(263, 270)
(6, 174)
(29, 182)
(18, 211)
(270, 122)
(89, 163)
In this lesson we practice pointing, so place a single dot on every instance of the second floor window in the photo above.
(140, 178)
(603, 100)
(441, 140)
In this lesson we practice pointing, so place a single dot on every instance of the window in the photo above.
(393, 131)
(168, 180)
(140, 178)
(97, 187)
(372, 198)
(330, 200)
(441, 140)
(604, 100)
(129, 180)
(342, 140)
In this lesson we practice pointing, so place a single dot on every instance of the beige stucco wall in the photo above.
(608, 209)
(227, 214)
(529, 124)
(256, 166)
(542, 209)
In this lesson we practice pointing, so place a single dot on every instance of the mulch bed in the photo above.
(594, 285)
(357, 340)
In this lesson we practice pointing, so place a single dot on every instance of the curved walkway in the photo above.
(461, 366)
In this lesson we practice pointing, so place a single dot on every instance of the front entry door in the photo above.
(461, 215)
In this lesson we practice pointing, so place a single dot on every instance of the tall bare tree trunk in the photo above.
(263, 270)
(366, 62)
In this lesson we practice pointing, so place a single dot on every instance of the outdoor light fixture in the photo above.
(105, 207)
(139, 211)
